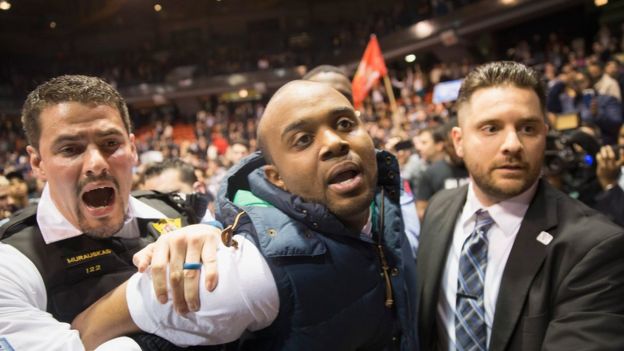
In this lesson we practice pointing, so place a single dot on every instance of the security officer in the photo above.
(78, 243)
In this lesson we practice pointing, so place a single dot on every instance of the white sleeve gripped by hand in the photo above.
(246, 298)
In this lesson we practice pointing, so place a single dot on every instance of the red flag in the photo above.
(371, 68)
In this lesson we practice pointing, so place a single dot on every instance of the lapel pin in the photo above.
(544, 238)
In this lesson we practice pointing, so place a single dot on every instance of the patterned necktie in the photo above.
(470, 329)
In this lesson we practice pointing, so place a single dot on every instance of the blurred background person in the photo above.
(579, 97)
(446, 170)
(610, 172)
(236, 151)
(603, 82)
(18, 190)
(6, 202)
(177, 176)
(614, 70)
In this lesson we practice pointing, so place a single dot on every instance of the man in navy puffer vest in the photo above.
(320, 209)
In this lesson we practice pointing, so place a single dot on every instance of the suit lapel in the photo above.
(435, 249)
(525, 259)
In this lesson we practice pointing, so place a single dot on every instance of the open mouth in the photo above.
(345, 180)
(343, 177)
(99, 197)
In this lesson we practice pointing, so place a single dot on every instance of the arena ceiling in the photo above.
(80, 15)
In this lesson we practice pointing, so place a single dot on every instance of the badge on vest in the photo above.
(5, 346)
(167, 225)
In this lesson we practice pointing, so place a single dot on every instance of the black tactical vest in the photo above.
(80, 270)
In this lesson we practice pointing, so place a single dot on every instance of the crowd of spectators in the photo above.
(584, 79)
(206, 53)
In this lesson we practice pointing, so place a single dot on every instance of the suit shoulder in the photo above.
(576, 217)
(443, 196)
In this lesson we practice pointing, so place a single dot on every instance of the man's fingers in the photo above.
(609, 152)
(191, 276)
(176, 276)
(209, 258)
(143, 258)
(160, 258)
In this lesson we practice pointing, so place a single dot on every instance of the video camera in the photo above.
(195, 203)
(570, 161)
(570, 151)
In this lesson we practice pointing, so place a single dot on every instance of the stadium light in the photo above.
(157, 7)
(423, 29)
(5, 5)
(410, 58)
(243, 93)
(52, 25)
(601, 2)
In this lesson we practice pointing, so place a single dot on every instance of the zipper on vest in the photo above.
(228, 232)
(382, 257)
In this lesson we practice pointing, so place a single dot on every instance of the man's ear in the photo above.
(135, 155)
(271, 173)
(456, 136)
(36, 163)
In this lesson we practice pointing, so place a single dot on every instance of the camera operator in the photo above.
(610, 172)
(605, 111)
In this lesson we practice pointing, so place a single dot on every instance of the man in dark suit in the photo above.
(508, 262)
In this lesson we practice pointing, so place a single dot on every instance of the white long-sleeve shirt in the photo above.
(246, 298)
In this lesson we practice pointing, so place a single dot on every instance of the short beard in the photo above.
(499, 192)
(103, 231)
(487, 185)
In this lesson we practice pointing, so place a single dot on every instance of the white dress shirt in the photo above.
(24, 322)
(507, 216)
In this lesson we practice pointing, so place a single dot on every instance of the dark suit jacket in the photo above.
(568, 295)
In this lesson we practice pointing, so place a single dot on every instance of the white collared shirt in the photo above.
(55, 227)
(507, 216)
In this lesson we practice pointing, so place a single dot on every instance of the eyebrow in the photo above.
(76, 137)
(333, 113)
(522, 119)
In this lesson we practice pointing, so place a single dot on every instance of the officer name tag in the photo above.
(5, 346)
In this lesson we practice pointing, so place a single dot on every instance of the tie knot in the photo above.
(484, 221)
